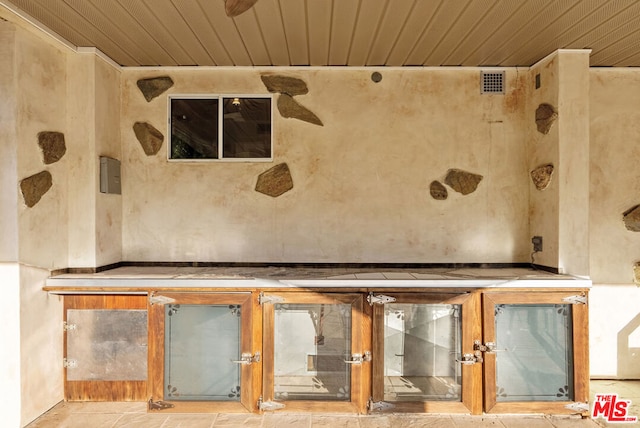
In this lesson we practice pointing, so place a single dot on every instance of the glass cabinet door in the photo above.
(418, 341)
(537, 357)
(202, 352)
(314, 352)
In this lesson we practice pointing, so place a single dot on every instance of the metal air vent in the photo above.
(492, 82)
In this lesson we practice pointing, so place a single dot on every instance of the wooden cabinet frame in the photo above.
(249, 372)
(580, 363)
(100, 390)
(471, 374)
(360, 342)
(258, 324)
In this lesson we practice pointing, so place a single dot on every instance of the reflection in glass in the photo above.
(535, 363)
(194, 128)
(201, 341)
(421, 344)
(107, 344)
(311, 344)
(247, 128)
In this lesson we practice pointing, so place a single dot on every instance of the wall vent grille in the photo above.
(492, 82)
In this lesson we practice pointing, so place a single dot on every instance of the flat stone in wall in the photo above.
(541, 176)
(462, 181)
(284, 84)
(546, 115)
(438, 191)
(52, 145)
(275, 181)
(155, 86)
(289, 107)
(35, 186)
(631, 219)
(149, 137)
(236, 7)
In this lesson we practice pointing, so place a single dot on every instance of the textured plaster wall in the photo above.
(8, 147)
(93, 131)
(361, 181)
(543, 149)
(573, 165)
(41, 105)
(108, 221)
(40, 344)
(614, 188)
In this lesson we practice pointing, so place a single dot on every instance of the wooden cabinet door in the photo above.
(105, 348)
(418, 343)
(202, 353)
(536, 361)
(316, 353)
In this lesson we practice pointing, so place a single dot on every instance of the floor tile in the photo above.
(280, 420)
(334, 421)
(140, 420)
(238, 420)
(190, 421)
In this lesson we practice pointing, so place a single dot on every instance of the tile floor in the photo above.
(134, 415)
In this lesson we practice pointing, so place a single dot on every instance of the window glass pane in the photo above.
(534, 361)
(201, 341)
(421, 344)
(194, 128)
(312, 342)
(247, 128)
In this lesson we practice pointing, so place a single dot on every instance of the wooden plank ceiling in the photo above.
(343, 32)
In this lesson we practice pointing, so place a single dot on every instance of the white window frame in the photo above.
(220, 98)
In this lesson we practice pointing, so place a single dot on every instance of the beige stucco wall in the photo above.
(542, 150)
(614, 188)
(361, 181)
(93, 131)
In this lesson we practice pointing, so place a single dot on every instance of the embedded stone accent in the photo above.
(541, 176)
(235, 7)
(275, 181)
(52, 145)
(631, 219)
(149, 137)
(289, 107)
(35, 186)
(154, 86)
(284, 84)
(546, 115)
(636, 274)
(438, 191)
(462, 181)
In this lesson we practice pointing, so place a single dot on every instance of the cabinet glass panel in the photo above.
(107, 345)
(311, 344)
(201, 344)
(421, 344)
(534, 357)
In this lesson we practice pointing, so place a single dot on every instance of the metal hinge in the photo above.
(69, 363)
(578, 407)
(487, 347)
(359, 358)
(577, 299)
(469, 359)
(262, 299)
(68, 327)
(159, 405)
(247, 358)
(155, 299)
(269, 405)
(378, 405)
(380, 299)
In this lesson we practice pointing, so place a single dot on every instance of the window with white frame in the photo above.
(225, 127)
